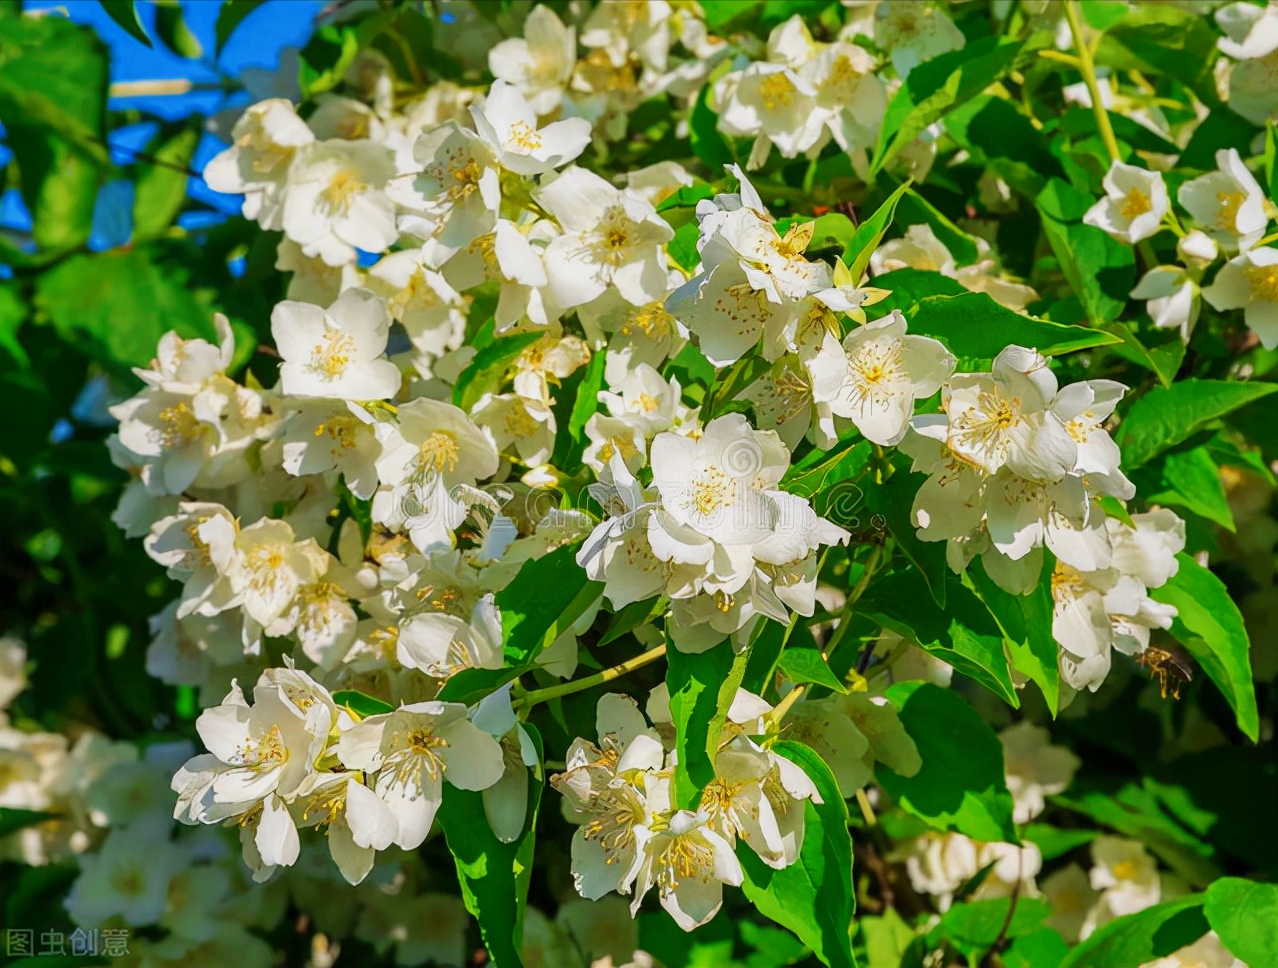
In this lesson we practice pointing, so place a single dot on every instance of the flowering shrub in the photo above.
(640, 458)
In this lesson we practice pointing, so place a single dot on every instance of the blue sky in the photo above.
(257, 43)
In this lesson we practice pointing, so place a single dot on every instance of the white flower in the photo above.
(611, 237)
(324, 435)
(359, 823)
(1227, 203)
(336, 201)
(408, 754)
(13, 675)
(914, 33)
(1249, 282)
(266, 141)
(1035, 768)
(456, 195)
(127, 877)
(506, 801)
(335, 352)
(441, 645)
(1134, 205)
(1070, 893)
(509, 256)
(688, 863)
(1253, 89)
(256, 751)
(1251, 31)
(266, 567)
(1173, 298)
(878, 375)
(314, 280)
(509, 124)
(773, 103)
(1126, 874)
(433, 313)
(1002, 418)
(194, 545)
(540, 63)
(718, 483)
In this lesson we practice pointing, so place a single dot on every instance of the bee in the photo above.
(1170, 666)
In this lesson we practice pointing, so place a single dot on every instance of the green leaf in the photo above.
(1100, 270)
(13, 820)
(1161, 39)
(976, 925)
(812, 897)
(1190, 479)
(1043, 948)
(682, 249)
(822, 469)
(702, 686)
(116, 305)
(938, 85)
(360, 703)
(487, 371)
(1137, 812)
(160, 189)
(1052, 842)
(547, 596)
(125, 13)
(1158, 351)
(893, 501)
(1209, 625)
(961, 785)
(231, 16)
(976, 329)
(325, 59)
(171, 28)
(909, 287)
(870, 233)
(1137, 939)
(53, 78)
(808, 665)
(703, 132)
(886, 938)
(630, 617)
(494, 876)
(915, 209)
(1164, 417)
(1244, 915)
(993, 127)
(1026, 623)
(964, 633)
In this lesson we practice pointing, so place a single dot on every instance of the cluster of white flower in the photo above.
(631, 837)
(453, 268)
(1229, 213)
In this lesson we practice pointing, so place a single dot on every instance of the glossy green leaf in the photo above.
(869, 234)
(891, 502)
(702, 686)
(1164, 417)
(974, 926)
(976, 329)
(1209, 625)
(172, 29)
(1026, 623)
(125, 13)
(961, 785)
(1101, 271)
(487, 371)
(1137, 939)
(494, 876)
(964, 633)
(1189, 479)
(1244, 915)
(813, 897)
(807, 665)
(13, 819)
(361, 703)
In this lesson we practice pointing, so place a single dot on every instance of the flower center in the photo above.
(1135, 204)
(651, 320)
(332, 354)
(341, 191)
(341, 430)
(1126, 870)
(523, 137)
(682, 857)
(1263, 281)
(711, 490)
(128, 879)
(1227, 214)
(439, 452)
(776, 91)
(178, 426)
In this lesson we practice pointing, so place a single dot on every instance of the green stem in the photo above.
(530, 699)
(1087, 67)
